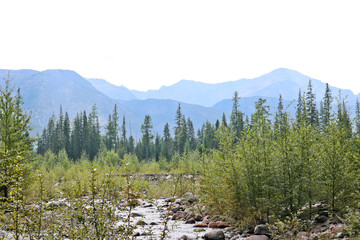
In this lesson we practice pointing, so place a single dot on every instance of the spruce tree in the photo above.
(147, 137)
(325, 112)
(313, 114)
(191, 134)
(167, 145)
(67, 134)
(223, 120)
(236, 118)
(15, 143)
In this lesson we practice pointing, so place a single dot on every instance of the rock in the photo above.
(178, 215)
(302, 236)
(198, 218)
(188, 198)
(257, 237)
(341, 235)
(201, 225)
(206, 221)
(261, 229)
(176, 209)
(141, 223)
(170, 200)
(215, 235)
(190, 215)
(324, 213)
(135, 214)
(213, 225)
(185, 238)
(321, 219)
(190, 221)
(222, 224)
(153, 224)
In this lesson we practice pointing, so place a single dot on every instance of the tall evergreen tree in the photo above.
(236, 118)
(94, 133)
(357, 118)
(67, 134)
(147, 136)
(223, 120)
(191, 134)
(325, 115)
(15, 143)
(313, 114)
(299, 108)
(167, 145)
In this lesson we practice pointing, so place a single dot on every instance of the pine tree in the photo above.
(325, 111)
(357, 118)
(223, 120)
(299, 109)
(313, 114)
(15, 143)
(167, 145)
(236, 118)
(147, 136)
(67, 134)
(115, 119)
(177, 128)
(157, 147)
(94, 133)
(191, 134)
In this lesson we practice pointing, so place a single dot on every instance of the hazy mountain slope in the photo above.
(164, 111)
(44, 92)
(112, 91)
(247, 105)
(280, 81)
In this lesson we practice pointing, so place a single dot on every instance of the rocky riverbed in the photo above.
(185, 219)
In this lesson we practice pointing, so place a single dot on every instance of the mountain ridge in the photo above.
(45, 91)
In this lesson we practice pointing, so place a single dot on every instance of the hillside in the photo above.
(280, 81)
(45, 91)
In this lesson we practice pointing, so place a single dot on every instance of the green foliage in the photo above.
(288, 228)
(352, 223)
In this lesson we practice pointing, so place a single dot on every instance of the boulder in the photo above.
(198, 218)
(261, 229)
(222, 224)
(200, 225)
(215, 235)
(321, 219)
(178, 215)
(190, 221)
(213, 225)
(188, 198)
(184, 237)
(257, 237)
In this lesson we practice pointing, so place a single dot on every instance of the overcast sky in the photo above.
(146, 44)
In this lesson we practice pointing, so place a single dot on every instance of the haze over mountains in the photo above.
(45, 91)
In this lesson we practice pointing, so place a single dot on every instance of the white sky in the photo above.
(146, 44)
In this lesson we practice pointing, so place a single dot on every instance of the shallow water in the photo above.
(153, 213)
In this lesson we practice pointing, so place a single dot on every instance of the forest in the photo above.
(254, 169)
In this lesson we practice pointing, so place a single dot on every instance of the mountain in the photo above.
(247, 105)
(280, 81)
(112, 91)
(45, 91)
(163, 111)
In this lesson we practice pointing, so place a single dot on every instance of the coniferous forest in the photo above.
(276, 169)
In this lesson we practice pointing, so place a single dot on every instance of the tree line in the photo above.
(82, 135)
